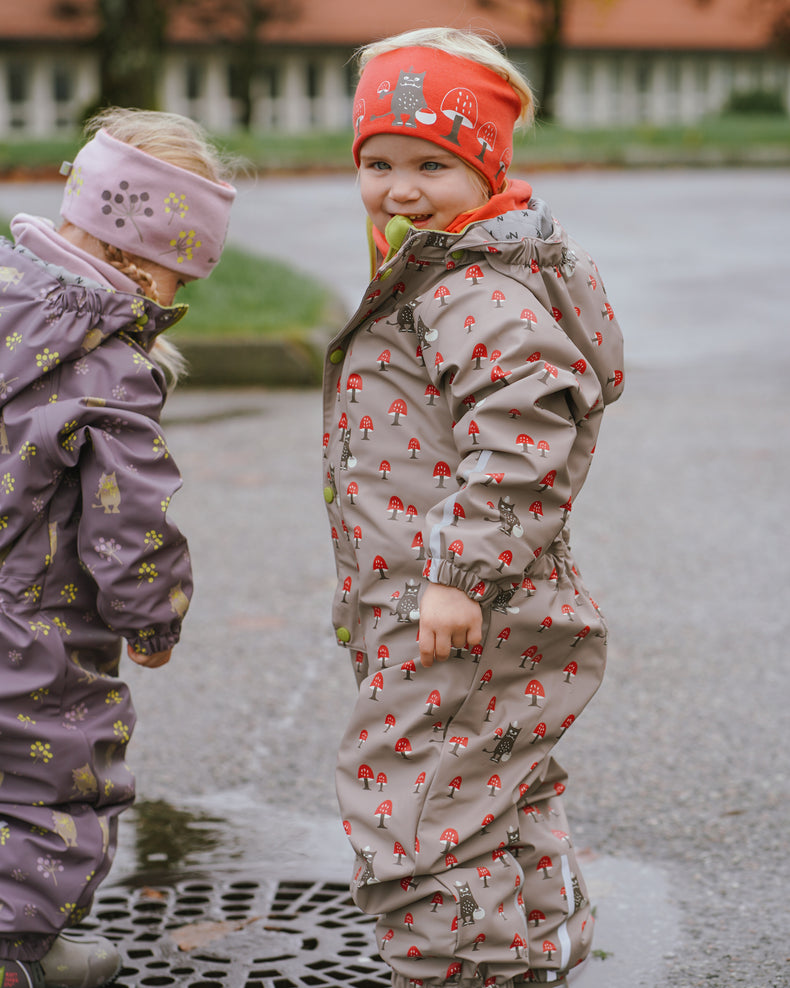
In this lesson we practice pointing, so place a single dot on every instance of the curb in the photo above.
(295, 362)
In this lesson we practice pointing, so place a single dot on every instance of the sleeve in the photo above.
(525, 407)
(137, 557)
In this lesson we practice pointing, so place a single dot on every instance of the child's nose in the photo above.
(403, 187)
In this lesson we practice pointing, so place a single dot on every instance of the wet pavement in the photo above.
(680, 768)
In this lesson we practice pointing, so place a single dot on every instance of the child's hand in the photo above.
(152, 661)
(448, 619)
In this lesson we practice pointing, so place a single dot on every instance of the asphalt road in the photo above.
(680, 768)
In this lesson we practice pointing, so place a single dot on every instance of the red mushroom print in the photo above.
(460, 106)
(395, 507)
(494, 784)
(490, 708)
(484, 874)
(474, 431)
(380, 567)
(568, 722)
(524, 441)
(376, 686)
(536, 510)
(453, 971)
(385, 469)
(474, 273)
(413, 952)
(419, 782)
(365, 775)
(529, 319)
(548, 949)
(495, 355)
(455, 548)
(580, 635)
(366, 426)
(478, 589)
(357, 536)
(479, 354)
(543, 447)
(353, 385)
(433, 701)
(528, 653)
(545, 865)
(539, 732)
(408, 920)
(488, 819)
(398, 852)
(498, 297)
(363, 736)
(485, 679)
(431, 393)
(536, 691)
(346, 588)
(518, 944)
(548, 481)
(381, 781)
(389, 720)
(397, 409)
(486, 136)
(478, 941)
(557, 313)
(449, 838)
(403, 747)
(417, 544)
(545, 624)
(436, 901)
(505, 559)
(503, 636)
(456, 743)
(384, 359)
(352, 491)
(440, 472)
(570, 671)
(376, 616)
(458, 513)
(413, 447)
(497, 374)
(568, 611)
(347, 828)
(500, 854)
(454, 785)
(549, 370)
(442, 293)
(536, 917)
(469, 323)
(383, 812)
(411, 512)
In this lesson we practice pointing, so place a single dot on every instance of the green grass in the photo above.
(731, 139)
(248, 297)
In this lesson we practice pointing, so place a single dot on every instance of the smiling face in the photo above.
(407, 176)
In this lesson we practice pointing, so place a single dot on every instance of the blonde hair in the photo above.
(464, 44)
(181, 142)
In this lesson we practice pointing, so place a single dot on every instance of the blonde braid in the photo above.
(123, 263)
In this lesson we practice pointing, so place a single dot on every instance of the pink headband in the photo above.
(146, 206)
(450, 101)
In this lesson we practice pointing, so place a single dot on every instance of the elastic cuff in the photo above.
(28, 948)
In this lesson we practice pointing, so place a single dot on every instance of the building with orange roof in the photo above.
(624, 61)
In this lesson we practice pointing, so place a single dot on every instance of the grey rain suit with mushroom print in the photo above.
(87, 556)
(461, 409)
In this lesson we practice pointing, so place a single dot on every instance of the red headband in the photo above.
(450, 101)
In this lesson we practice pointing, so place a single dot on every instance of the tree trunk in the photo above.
(551, 25)
(130, 41)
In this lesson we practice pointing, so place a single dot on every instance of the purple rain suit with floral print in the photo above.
(461, 408)
(87, 557)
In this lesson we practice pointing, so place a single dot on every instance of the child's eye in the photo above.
(432, 166)
(378, 166)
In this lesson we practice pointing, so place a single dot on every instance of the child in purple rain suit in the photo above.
(462, 404)
(88, 554)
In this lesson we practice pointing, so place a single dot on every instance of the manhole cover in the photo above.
(240, 933)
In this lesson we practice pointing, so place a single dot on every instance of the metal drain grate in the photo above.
(285, 934)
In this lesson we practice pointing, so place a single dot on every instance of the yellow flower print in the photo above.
(121, 731)
(7, 484)
(62, 626)
(40, 626)
(13, 340)
(147, 573)
(113, 698)
(75, 181)
(69, 592)
(3, 521)
(41, 751)
(141, 361)
(25, 721)
(5, 832)
(138, 311)
(39, 694)
(184, 245)
(176, 205)
(153, 540)
(28, 450)
(47, 358)
(160, 447)
(165, 504)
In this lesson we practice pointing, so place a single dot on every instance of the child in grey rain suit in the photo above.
(462, 404)
(88, 553)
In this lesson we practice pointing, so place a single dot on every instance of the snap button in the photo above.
(343, 635)
(336, 356)
(329, 495)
